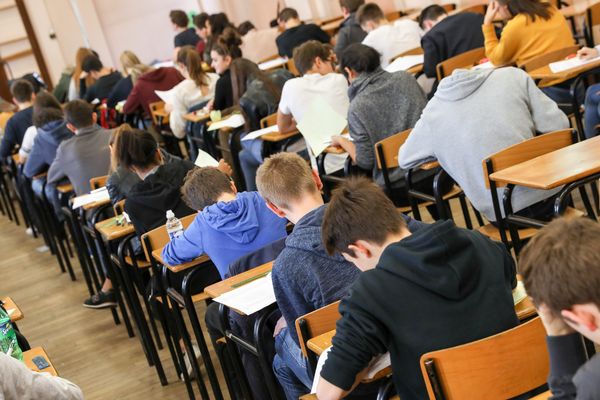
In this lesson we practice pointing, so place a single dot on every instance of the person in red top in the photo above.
(163, 78)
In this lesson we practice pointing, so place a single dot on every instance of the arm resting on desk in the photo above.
(186, 247)
(418, 148)
(285, 122)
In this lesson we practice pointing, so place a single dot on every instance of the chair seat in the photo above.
(454, 192)
(142, 264)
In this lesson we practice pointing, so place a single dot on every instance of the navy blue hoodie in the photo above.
(44, 147)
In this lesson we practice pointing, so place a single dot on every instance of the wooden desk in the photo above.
(554, 169)
(227, 285)
(111, 231)
(96, 204)
(157, 254)
(34, 352)
(195, 117)
(9, 304)
(525, 309)
(16, 158)
(332, 27)
(542, 396)
(278, 137)
(544, 73)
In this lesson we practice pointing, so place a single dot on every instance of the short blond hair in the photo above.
(283, 178)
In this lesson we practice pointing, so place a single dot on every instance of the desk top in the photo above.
(157, 254)
(227, 285)
(194, 117)
(544, 73)
(34, 352)
(9, 304)
(332, 27)
(556, 168)
(525, 309)
(111, 231)
(278, 137)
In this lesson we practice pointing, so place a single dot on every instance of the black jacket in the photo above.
(443, 286)
(120, 91)
(350, 32)
(294, 37)
(150, 199)
(14, 131)
(101, 88)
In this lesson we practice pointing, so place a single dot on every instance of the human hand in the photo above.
(492, 11)
(279, 326)
(225, 168)
(554, 325)
(336, 140)
(587, 53)
(83, 75)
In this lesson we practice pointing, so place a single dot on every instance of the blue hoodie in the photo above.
(43, 152)
(226, 231)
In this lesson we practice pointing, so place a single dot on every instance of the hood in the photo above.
(159, 74)
(364, 80)
(461, 84)
(55, 131)
(238, 219)
(422, 259)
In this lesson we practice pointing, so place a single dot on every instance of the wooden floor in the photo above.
(85, 345)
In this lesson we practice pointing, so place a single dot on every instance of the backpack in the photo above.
(8, 338)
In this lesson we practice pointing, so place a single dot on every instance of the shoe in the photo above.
(101, 300)
(188, 363)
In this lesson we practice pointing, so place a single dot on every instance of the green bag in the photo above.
(8, 338)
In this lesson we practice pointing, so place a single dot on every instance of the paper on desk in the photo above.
(205, 160)
(168, 96)
(233, 121)
(519, 294)
(94, 196)
(277, 62)
(485, 65)
(404, 63)
(251, 297)
(260, 132)
(319, 124)
(574, 62)
(377, 364)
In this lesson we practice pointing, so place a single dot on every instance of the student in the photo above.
(447, 36)
(23, 97)
(147, 81)
(412, 296)
(44, 100)
(319, 79)
(217, 23)
(350, 30)
(561, 272)
(295, 32)
(381, 105)
(122, 89)
(84, 156)
(257, 45)
(105, 80)
(534, 27)
(222, 54)
(592, 97)
(197, 87)
(389, 40)
(229, 224)
(185, 36)
(74, 84)
(483, 112)
(202, 30)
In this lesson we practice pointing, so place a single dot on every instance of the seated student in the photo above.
(197, 87)
(74, 84)
(350, 30)
(40, 102)
(483, 112)
(561, 272)
(447, 36)
(296, 32)
(388, 39)
(146, 81)
(122, 89)
(592, 96)
(105, 79)
(319, 79)
(23, 97)
(217, 23)
(257, 44)
(84, 156)
(202, 30)
(304, 277)
(414, 293)
(185, 36)
(19, 382)
(229, 224)
(222, 54)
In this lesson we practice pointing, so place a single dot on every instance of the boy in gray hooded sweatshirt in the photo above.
(476, 113)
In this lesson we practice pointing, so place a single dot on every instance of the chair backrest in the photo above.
(291, 66)
(394, 15)
(158, 237)
(269, 120)
(545, 59)
(449, 6)
(525, 151)
(386, 150)
(273, 57)
(412, 52)
(119, 207)
(593, 16)
(98, 182)
(316, 323)
(464, 60)
(155, 107)
(501, 366)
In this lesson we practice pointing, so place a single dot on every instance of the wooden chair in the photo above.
(393, 16)
(464, 60)
(412, 52)
(502, 366)
(291, 66)
(98, 182)
(449, 6)
(269, 120)
(159, 116)
(592, 19)
(545, 59)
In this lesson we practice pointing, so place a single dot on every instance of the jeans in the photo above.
(250, 159)
(290, 366)
(592, 110)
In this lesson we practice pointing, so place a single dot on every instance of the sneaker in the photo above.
(101, 300)
(188, 363)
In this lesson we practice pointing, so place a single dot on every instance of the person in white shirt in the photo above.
(314, 61)
(387, 38)
(257, 45)
(197, 87)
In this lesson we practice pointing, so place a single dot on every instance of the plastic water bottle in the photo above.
(174, 226)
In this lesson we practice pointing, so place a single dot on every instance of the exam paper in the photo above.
(404, 63)
(251, 297)
(233, 121)
(168, 96)
(519, 294)
(205, 160)
(574, 62)
(319, 124)
(277, 62)
(260, 132)
(94, 196)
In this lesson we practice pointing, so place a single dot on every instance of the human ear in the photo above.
(581, 315)
(276, 210)
(317, 180)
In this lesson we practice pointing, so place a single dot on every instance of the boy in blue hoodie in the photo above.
(229, 224)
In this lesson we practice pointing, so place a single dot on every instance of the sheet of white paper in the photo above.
(205, 160)
(96, 195)
(251, 297)
(168, 96)
(168, 63)
(485, 65)
(233, 121)
(345, 136)
(404, 63)
(277, 62)
(260, 132)
(10, 311)
(519, 293)
(319, 124)
(574, 62)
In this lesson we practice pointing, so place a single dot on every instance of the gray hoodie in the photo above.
(475, 114)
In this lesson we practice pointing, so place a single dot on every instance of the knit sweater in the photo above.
(523, 39)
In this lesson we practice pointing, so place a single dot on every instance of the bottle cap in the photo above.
(170, 214)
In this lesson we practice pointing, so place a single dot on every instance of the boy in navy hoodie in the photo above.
(229, 224)
(439, 287)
